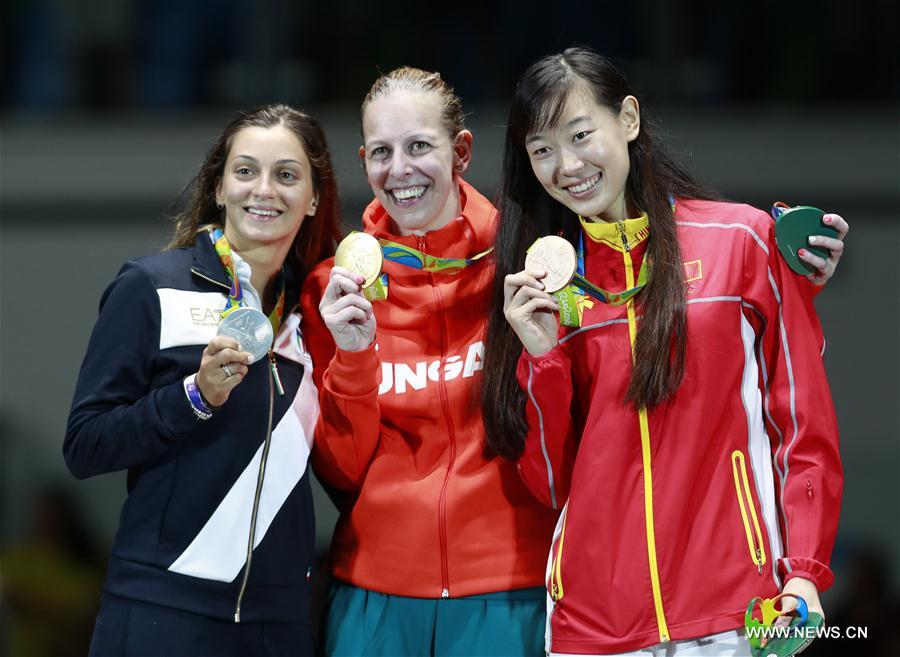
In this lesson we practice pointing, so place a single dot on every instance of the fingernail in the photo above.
(360, 280)
(827, 219)
(813, 239)
(801, 252)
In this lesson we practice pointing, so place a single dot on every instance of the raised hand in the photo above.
(531, 311)
(346, 312)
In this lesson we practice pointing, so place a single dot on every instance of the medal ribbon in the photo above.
(573, 298)
(605, 296)
(778, 209)
(415, 259)
(236, 294)
(406, 255)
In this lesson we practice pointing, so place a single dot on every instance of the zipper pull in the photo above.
(809, 491)
(620, 226)
(759, 561)
(278, 386)
(445, 593)
(554, 592)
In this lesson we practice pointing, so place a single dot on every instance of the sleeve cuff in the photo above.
(815, 571)
(555, 352)
(174, 410)
(554, 357)
(353, 373)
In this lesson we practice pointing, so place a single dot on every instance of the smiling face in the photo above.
(583, 161)
(266, 188)
(411, 162)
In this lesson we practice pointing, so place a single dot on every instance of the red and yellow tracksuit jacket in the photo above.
(401, 430)
(674, 519)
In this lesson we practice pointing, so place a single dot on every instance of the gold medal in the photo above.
(556, 256)
(361, 254)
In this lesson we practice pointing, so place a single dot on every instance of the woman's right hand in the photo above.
(531, 311)
(346, 312)
(213, 379)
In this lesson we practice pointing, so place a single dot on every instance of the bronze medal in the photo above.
(556, 256)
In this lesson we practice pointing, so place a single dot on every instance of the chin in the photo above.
(413, 221)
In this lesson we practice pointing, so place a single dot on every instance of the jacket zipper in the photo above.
(645, 453)
(274, 380)
(259, 484)
(211, 280)
(445, 404)
(745, 500)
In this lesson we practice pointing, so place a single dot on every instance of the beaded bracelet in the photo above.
(198, 405)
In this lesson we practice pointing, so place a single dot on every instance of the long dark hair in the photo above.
(527, 212)
(318, 235)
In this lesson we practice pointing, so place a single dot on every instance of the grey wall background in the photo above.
(108, 106)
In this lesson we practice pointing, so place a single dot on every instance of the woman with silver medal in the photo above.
(213, 423)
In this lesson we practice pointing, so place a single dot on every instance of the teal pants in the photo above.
(362, 622)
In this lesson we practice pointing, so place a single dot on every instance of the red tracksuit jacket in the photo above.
(401, 430)
(674, 519)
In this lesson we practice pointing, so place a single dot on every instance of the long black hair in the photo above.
(527, 212)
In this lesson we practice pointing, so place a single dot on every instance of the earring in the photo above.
(220, 206)
(459, 167)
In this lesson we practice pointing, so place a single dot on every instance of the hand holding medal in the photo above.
(527, 304)
(245, 335)
(345, 308)
(360, 253)
(223, 366)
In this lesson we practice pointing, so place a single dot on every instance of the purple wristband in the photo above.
(201, 410)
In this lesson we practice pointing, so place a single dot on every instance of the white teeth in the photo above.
(586, 185)
(263, 213)
(408, 193)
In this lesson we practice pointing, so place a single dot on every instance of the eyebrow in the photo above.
(576, 120)
(568, 124)
(416, 136)
(282, 161)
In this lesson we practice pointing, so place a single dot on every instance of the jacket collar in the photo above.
(206, 262)
(467, 235)
(619, 235)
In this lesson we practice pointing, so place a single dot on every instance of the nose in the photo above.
(265, 187)
(570, 163)
(400, 166)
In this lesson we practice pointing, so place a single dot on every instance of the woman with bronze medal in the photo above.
(198, 382)
(656, 370)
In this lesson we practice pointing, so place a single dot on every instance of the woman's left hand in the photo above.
(825, 266)
(804, 588)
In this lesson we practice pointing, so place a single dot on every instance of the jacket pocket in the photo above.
(748, 511)
(556, 584)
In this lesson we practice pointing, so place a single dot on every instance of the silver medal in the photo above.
(251, 329)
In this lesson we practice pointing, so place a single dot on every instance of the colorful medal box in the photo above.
(770, 640)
